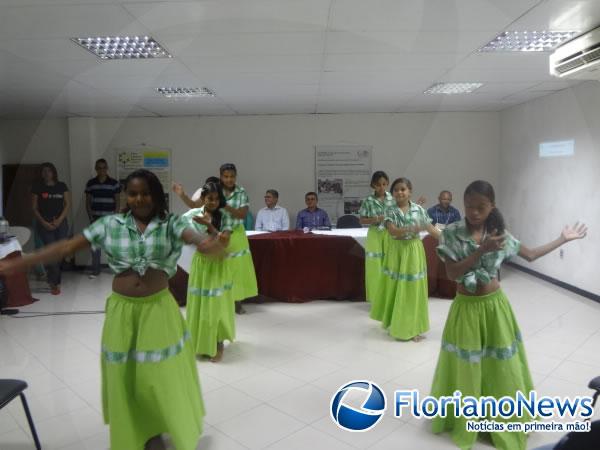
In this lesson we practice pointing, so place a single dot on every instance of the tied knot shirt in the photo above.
(227, 221)
(238, 198)
(158, 247)
(414, 216)
(373, 206)
(457, 244)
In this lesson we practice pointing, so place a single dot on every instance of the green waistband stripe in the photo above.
(243, 252)
(397, 276)
(215, 292)
(152, 356)
(475, 356)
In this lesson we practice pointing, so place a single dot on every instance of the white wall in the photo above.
(539, 196)
(436, 151)
(35, 141)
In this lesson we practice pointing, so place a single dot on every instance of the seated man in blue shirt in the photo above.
(443, 214)
(312, 217)
(272, 217)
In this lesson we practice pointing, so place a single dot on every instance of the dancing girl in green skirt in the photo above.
(210, 309)
(371, 213)
(401, 300)
(150, 383)
(482, 350)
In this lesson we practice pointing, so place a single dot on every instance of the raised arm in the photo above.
(577, 231)
(178, 189)
(51, 253)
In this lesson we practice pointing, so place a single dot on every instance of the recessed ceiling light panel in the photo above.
(123, 47)
(452, 88)
(527, 41)
(185, 92)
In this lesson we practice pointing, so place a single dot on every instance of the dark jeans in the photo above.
(48, 237)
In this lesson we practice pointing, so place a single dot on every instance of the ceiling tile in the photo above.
(233, 15)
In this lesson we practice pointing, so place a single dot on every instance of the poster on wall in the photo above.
(153, 159)
(343, 177)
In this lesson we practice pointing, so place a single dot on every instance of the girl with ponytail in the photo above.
(482, 350)
(210, 305)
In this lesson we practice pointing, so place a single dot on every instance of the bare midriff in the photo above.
(132, 284)
(482, 289)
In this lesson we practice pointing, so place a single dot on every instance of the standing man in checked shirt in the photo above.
(101, 199)
(312, 216)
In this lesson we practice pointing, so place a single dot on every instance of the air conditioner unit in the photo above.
(578, 59)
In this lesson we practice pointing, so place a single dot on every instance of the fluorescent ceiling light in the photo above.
(185, 92)
(527, 41)
(452, 88)
(123, 47)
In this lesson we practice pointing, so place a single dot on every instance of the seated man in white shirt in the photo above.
(272, 217)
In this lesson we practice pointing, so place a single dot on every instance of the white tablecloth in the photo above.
(358, 234)
(6, 248)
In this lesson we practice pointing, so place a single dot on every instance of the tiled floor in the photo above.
(273, 388)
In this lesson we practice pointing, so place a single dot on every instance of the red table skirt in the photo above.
(293, 266)
(17, 287)
(297, 267)
(439, 284)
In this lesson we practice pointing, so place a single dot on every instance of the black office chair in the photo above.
(348, 221)
(9, 390)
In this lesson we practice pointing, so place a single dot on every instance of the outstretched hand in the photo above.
(421, 201)
(493, 242)
(577, 231)
(177, 188)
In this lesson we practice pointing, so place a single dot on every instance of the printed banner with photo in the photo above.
(155, 160)
(343, 177)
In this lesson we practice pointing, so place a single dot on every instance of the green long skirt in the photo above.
(150, 382)
(373, 259)
(240, 263)
(210, 307)
(401, 303)
(482, 355)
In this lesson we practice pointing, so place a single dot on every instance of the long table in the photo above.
(294, 266)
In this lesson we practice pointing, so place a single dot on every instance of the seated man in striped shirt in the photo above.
(101, 199)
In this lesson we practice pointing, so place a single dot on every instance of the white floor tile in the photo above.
(273, 387)
(307, 403)
(225, 403)
(267, 385)
(259, 427)
(309, 438)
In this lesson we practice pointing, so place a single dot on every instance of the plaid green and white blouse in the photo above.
(227, 221)
(373, 207)
(456, 244)
(237, 199)
(416, 215)
(158, 247)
